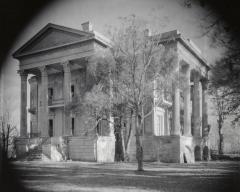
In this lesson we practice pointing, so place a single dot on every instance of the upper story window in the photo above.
(50, 93)
(73, 126)
(72, 91)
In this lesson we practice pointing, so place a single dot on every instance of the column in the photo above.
(43, 121)
(111, 119)
(111, 126)
(23, 111)
(196, 106)
(204, 108)
(67, 97)
(187, 105)
(176, 110)
(166, 123)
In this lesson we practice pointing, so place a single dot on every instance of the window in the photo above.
(50, 93)
(99, 128)
(72, 90)
(50, 128)
(73, 125)
(31, 129)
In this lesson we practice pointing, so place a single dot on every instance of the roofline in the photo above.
(61, 46)
(178, 36)
(91, 35)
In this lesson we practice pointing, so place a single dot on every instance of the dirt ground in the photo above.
(95, 177)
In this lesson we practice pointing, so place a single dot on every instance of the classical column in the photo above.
(23, 111)
(204, 108)
(196, 106)
(187, 105)
(67, 96)
(166, 123)
(43, 121)
(176, 110)
(111, 119)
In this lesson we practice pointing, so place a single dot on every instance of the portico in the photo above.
(55, 63)
(187, 115)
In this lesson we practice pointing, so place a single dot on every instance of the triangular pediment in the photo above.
(50, 37)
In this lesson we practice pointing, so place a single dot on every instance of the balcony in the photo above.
(34, 135)
(53, 103)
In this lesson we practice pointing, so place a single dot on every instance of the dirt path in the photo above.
(81, 176)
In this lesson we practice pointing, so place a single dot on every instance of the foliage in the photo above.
(226, 76)
(222, 26)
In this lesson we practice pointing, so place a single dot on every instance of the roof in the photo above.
(65, 36)
(187, 43)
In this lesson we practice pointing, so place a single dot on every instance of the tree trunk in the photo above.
(220, 147)
(7, 139)
(221, 142)
(129, 138)
(122, 139)
(139, 149)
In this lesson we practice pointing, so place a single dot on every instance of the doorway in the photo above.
(50, 128)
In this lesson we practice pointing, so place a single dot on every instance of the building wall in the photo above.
(58, 121)
(82, 148)
(55, 81)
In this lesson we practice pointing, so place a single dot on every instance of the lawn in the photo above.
(95, 177)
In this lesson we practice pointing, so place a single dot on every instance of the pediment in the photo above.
(50, 37)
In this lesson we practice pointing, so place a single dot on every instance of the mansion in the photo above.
(55, 64)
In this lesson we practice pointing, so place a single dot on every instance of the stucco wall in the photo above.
(82, 148)
(105, 149)
(58, 122)
(169, 149)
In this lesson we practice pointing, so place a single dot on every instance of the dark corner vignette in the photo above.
(15, 15)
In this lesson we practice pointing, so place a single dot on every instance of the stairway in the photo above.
(35, 154)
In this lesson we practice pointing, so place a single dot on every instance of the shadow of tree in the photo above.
(165, 177)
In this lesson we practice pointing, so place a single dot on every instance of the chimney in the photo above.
(147, 33)
(87, 27)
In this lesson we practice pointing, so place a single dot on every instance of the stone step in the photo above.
(34, 154)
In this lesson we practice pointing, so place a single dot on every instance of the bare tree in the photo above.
(7, 134)
(140, 67)
(122, 80)
(221, 107)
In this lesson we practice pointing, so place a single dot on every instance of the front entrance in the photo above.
(50, 128)
(197, 153)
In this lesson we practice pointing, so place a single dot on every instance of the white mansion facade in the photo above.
(55, 64)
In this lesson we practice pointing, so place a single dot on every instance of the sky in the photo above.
(162, 16)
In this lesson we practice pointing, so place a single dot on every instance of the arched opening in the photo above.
(197, 153)
(205, 153)
(188, 155)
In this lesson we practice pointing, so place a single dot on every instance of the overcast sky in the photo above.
(169, 14)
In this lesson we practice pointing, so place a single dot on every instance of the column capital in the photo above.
(33, 79)
(43, 70)
(204, 82)
(23, 73)
(66, 66)
(196, 76)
